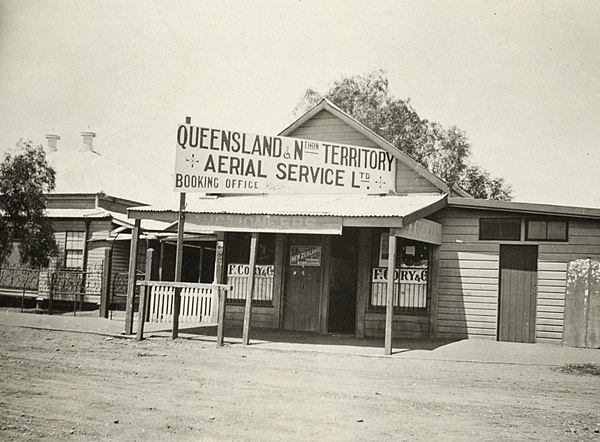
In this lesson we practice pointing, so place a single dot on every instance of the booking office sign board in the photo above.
(225, 161)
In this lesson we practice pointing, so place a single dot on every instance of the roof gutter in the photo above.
(531, 208)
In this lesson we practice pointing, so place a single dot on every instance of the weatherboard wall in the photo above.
(468, 289)
(97, 234)
(325, 126)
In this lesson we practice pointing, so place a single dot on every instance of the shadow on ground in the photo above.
(267, 336)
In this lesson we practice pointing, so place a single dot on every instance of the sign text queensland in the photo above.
(225, 161)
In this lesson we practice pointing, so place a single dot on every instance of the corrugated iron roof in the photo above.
(524, 207)
(309, 205)
(146, 224)
(92, 172)
(78, 213)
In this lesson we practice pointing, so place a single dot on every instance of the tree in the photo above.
(25, 180)
(445, 152)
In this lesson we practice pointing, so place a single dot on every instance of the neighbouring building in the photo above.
(464, 267)
(88, 210)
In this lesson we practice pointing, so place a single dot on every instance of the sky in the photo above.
(521, 78)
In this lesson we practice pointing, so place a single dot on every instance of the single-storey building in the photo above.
(88, 210)
(462, 267)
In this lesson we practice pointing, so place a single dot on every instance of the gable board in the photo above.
(326, 122)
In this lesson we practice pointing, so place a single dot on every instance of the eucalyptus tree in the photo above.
(25, 180)
(444, 151)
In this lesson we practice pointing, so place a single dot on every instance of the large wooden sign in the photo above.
(225, 161)
(231, 222)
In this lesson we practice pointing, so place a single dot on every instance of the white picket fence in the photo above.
(199, 302)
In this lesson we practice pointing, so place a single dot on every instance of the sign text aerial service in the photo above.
(224, 161)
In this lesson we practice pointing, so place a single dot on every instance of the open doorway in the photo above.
(342, 282)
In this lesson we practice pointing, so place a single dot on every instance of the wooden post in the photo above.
(389, 301)
(133, 262)
(363, 283)
(144, 292)
(434, 266)
(178, 265)
(105, 288)
(161, 258)
(278, 279)
(50, 292)
(323, 321)
(218, 279)
(249, 290)
(84, 267)
(200, 263)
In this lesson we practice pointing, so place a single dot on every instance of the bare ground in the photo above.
(61, 385)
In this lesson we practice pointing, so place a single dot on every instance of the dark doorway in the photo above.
(342, 282)
(198, 262)
(518, 293)
(302, 298)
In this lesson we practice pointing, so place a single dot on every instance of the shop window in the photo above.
(410, 277)
(543, 230)
(384, 250)
(74, 246)
(237, 256)
(500, 229)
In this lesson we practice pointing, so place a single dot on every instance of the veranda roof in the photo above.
(332, 211)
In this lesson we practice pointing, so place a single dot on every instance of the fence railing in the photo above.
(199, 302)
(74, 286)
(117, 297)
(19, 279)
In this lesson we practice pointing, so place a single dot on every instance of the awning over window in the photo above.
(317, 214)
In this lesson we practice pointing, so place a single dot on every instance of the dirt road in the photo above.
(60, 385)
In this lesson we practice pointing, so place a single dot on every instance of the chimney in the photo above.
(87, 141)
(51, 139)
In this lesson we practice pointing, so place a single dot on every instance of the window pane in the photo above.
(74, 259)
(74, 245)
(75, 240)
(536, 230)
(384, 249)
(410, 279)
(265, 255)
(238, 248)
(557, 230)
(500, 229)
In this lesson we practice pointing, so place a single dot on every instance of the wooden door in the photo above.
(342, 282)
(301, 305)
(518, 293)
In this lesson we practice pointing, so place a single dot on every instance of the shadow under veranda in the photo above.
(261, 336)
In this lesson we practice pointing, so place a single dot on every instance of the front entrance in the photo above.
(342, 282)
(518, 293)
(302, 299)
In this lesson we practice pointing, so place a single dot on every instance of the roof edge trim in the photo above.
(533, 208)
